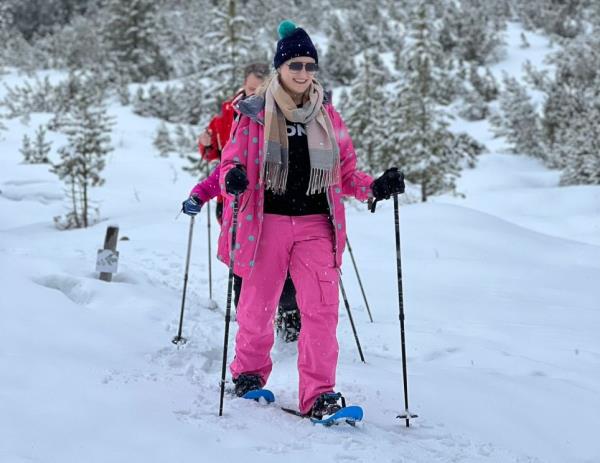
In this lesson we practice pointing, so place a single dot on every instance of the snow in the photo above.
(502, 320)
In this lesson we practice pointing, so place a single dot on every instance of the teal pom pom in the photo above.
(286, 28)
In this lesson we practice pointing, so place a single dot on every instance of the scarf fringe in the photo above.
(321, 179)
(275, 177)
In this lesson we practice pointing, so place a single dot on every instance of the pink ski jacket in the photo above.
(245, 147)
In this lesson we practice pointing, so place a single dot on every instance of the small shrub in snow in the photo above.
(88, 129)
(474, 107)
(21, 101)
(162, 140)
(36, 153)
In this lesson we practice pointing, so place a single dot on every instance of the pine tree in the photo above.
(560, 17)
(364, 112)
(474, 108)
(36, 153)
(579, 149)
(192, 102)
(185, 140)
(339, 61)
(27, 150)
(41, 146)
(229, 50)
(130, 32)
(485, 85)
(468, 31)
(88, 129)
(187, 147)
(518, 120)
(5, 21)
(419, 138)
(162, 141)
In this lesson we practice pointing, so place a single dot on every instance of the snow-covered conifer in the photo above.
(130, 32)
(88, 127)
(518, 119)
(162, 140)
(365, 112)
(419, 140)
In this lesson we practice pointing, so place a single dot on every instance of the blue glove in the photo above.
(191, 206)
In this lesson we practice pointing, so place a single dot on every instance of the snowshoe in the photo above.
(327, 411)
(250, 387)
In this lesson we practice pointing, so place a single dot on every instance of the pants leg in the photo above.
(258, 299)
(312, 267)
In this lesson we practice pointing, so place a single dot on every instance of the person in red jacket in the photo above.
(210, 144)
(216, 135)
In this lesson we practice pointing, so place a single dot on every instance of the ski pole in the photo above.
(228, 308)
(358, 278)
(210, 297)
(177, 340)
(362, 357)
(406, 415)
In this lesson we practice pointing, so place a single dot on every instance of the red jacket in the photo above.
(220, 128)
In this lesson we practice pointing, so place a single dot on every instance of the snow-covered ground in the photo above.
(502, 319)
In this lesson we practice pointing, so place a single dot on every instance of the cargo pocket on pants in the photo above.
(328, 279)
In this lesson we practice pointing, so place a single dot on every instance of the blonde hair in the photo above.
(265, 85)
(260, 91)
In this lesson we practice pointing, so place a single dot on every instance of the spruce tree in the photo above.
(229, 51)
(518, 120)
(88, 129)
(5, 21)
(27, 150)
(419, 139)
(130, 32)
(339, 60)
(365, 112)
(581, 151)
(468, 31)
(192, 102)
(162, 141)
(41, 146)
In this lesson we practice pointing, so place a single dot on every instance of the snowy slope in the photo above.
(502, 306)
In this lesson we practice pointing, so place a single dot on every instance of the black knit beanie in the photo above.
(293, 43)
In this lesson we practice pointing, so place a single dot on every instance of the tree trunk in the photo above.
(84, 185)
(233, 40)
(74, 199)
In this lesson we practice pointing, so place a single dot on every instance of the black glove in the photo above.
(236, 181)
(391, 182)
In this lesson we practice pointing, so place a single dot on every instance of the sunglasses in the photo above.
(297, 66)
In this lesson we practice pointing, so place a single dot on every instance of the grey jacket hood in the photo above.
(253, 105)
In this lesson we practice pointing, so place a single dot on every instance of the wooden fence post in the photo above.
(110, 243)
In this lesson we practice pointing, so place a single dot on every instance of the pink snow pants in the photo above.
(304, 245)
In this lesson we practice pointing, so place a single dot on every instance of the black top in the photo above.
(295, 201)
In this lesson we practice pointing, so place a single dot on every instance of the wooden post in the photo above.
(110, 242)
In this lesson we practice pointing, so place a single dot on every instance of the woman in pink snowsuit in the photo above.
(291, 160)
